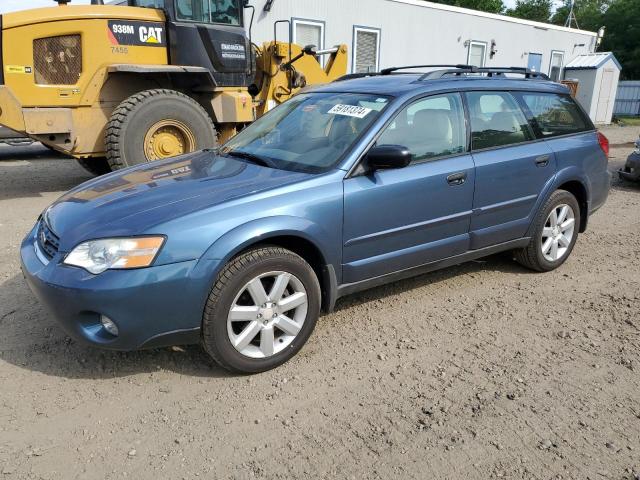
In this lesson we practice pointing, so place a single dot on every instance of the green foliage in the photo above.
(622, 22)
(588, 13)
(537, 10)
(491, 6)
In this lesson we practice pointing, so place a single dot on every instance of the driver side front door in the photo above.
(402, 218)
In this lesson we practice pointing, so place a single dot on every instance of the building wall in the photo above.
(586, 88)
(414, 32)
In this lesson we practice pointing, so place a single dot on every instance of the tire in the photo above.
(95, 166)
(533, 256)
(231, 289)
(138, 117)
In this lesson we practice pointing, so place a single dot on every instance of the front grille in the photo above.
(57, 60)
(48, 241)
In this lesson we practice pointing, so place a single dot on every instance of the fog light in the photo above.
(109, 325)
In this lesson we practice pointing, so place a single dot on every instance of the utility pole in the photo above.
(571, 18)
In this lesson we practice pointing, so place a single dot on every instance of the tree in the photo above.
(491, 6)
(622, 23)
(589, 13)
(537, 10)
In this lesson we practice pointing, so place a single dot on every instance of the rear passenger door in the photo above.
(512, 168)
(401, 218)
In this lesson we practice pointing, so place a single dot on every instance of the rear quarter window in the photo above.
(555, 114)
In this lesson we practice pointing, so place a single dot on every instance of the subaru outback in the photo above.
(351, 185)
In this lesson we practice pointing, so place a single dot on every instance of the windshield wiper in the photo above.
(248, 156)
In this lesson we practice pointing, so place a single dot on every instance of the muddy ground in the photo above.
(481, 371)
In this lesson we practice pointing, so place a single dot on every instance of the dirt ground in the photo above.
(480, 371)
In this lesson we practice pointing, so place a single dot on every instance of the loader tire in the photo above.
(95, 166)
(157, 124)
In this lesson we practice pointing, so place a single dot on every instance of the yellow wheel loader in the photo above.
(114, 86)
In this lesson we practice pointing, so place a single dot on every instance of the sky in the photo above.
(11, 5)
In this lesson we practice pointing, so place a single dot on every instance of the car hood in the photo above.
(132, 201)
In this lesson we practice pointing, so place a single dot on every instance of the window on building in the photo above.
(429, 128)
(477, 54)
(366, 50)
(309, 32)
(555, 114)
(496, 120)
(209, 11)
(555, 68)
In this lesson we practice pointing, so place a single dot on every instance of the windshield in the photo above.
(209, 11)
(309, 133)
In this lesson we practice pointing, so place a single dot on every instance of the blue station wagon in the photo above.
(351, 185)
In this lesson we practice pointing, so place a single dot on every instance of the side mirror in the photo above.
(384, 157)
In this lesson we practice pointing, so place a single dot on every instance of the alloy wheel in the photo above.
(267, 314)
(558, 232)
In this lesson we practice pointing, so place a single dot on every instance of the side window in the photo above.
(208, 11)
(429, 128)
(555, 114)
(496, 120)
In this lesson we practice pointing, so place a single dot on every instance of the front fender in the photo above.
(259, 231)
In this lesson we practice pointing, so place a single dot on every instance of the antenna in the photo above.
(571, 18)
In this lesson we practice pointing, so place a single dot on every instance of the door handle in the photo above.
(542, 161)
(457, 178)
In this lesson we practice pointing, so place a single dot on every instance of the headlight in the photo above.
(96, 256)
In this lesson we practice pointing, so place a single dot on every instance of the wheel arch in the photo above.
(299, 235)
(578, 190)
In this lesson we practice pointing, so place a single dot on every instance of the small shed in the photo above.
(597, 75)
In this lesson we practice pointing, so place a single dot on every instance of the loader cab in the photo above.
(209, 34)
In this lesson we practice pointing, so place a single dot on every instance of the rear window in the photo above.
(555, 114)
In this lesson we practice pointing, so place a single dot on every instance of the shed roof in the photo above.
(589, 61)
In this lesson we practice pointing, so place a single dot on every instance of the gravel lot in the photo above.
(484, 370)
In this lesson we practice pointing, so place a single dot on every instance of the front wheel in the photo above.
(261, 310)
(555, 234)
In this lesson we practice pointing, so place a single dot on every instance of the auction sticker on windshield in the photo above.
(350, 111)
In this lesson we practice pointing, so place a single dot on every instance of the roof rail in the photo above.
(352, 76)
(488, 71)
(389, 71)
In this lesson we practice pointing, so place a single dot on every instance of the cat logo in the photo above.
(142, 34)
(150, 34)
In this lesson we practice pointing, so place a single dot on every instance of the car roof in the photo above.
(398, 85)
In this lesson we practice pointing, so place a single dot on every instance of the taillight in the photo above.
(604, 143)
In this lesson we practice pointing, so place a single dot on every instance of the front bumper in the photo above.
(631, 170)
(152, 307)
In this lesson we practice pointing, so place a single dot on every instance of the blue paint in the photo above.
(364, 224)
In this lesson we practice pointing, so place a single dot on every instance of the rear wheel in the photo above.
(157, 124)
(556, 231)
(95, 166)
(261, 310)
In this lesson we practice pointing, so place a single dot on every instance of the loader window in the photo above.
(226, 12)
(147, 3)
(309, 133)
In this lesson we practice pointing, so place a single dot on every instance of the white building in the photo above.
(386, 33)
